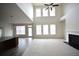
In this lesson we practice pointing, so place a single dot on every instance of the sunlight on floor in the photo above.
(24, 42)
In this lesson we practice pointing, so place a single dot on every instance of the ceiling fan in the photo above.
(49, 6)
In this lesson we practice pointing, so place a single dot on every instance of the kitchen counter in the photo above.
(8, 42)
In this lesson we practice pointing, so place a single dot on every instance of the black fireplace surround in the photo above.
(74, 41)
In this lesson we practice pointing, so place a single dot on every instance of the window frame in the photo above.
(54, 12)
(40, 30)
(44, 30)
(50, 29)
(47, 12)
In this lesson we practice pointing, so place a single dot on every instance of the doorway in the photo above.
(29, 30)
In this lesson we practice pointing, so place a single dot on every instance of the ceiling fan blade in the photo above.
(47, 8)
(46, 4)
(51, 3)
(56, 5)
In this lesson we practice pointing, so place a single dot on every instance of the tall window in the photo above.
(45, 30)
(52, 29)
(52, 12)
(45, 12)
(20, 30)
(38, 12)
(38, 29)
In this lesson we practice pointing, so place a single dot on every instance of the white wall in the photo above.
(71, 13)
(27, 8)
(50, 20)
(6, 21)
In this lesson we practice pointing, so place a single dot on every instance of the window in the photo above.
(52, 12)
(38, 12)
(38, 29)
(20, 30)
(52, 29)
(45, 29)
(45, 12)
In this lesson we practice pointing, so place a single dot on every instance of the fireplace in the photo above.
(74, 41)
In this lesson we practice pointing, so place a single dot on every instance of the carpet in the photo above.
(50, 47)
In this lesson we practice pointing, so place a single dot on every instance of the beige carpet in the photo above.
(50, 47)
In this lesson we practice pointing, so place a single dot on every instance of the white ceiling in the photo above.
(38, 4)
(41, 4)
